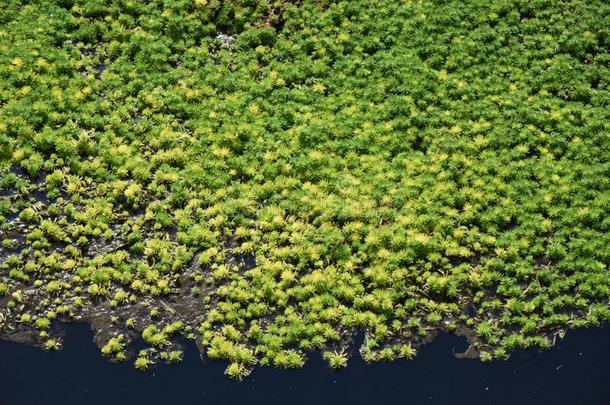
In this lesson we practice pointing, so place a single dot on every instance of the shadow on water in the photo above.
(574, 372)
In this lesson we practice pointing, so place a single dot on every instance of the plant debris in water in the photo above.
(268, 177)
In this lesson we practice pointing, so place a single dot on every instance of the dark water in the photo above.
(574, 372)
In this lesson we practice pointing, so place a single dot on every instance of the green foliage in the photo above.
(237, 371)
(52, 344)
(269, 176)
(335, 359)
(154, 337)
(288, 359)
(115, 348)
(142, 363)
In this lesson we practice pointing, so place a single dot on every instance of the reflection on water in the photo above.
(574, 372)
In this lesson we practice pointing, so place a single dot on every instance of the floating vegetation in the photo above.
(267, 178)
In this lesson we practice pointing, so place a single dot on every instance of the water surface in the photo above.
(574, 372)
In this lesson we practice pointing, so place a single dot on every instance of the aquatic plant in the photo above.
(142, 363)
(115, 347)
(335, 359)
(237, 371)
(268, 177)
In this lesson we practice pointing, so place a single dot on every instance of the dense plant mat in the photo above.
(268, 178)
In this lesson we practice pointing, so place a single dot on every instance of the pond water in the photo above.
(574, 372)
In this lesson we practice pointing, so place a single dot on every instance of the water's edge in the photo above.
(573, 372)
